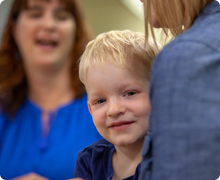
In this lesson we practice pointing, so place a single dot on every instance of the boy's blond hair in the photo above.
(118, 48)
(171, 16)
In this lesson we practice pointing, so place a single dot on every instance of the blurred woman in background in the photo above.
(44, 119)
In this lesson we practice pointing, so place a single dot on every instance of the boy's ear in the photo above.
(89, 106)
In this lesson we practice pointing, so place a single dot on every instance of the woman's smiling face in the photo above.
(44, 33)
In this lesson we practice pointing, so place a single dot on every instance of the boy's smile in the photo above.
(120, 125)
(118, 102)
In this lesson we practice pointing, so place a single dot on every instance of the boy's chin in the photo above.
(129, 143)
(125, 143)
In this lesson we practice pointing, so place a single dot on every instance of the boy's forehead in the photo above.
(129, 65)
(103, 65)
(97, 80)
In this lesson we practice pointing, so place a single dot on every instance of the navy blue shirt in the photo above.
(24, 148)
(95, 162)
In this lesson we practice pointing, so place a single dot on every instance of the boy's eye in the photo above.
(131, 93)
(100, 101)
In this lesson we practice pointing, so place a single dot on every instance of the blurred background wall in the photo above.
(4, 8)
(103, 15)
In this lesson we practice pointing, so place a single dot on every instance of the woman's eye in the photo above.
(130, 93)
(100, 101)
(63, 15)
(35, 14)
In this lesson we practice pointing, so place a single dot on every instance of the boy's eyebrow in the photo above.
(93, 94)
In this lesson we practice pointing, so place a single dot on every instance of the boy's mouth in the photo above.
(119, 125)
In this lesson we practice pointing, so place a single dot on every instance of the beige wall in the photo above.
(103, 15)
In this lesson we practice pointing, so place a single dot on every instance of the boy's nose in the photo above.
(116, 108)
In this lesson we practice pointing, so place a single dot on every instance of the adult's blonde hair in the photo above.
(118, 48)
(170, 14)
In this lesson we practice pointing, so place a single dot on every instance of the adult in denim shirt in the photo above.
(184, 138)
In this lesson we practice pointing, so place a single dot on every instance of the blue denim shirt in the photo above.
(183, 142)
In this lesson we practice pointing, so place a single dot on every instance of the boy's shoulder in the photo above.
(99, 147)
(100, 143)
(95, 160)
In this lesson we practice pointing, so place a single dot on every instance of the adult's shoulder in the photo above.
(202, 38)
(188, 44)
(186, 58)
(186, 51)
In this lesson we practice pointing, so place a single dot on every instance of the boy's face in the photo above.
(119, 104)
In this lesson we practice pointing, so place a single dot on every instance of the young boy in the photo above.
(115, 69)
